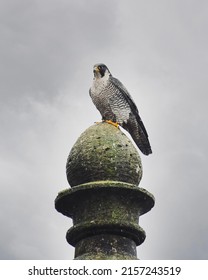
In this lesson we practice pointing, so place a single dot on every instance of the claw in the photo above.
(113, 123)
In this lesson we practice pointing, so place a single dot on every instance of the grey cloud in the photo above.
(45, 41)
(159, 51)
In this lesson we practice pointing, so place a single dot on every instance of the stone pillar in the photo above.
(104, 170)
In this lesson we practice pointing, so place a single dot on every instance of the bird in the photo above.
(117, 107)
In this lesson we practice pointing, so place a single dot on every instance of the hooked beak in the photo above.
(96, 69)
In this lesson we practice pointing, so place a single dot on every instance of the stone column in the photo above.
(104, 170)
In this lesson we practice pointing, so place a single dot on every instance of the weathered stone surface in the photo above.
(109, 201)
(103, 152)
(106, 247)
(105, 208)
(105, 202)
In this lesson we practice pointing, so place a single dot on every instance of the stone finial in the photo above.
(103, 153)
(105, 202)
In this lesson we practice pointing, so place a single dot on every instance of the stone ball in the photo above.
(103, 153)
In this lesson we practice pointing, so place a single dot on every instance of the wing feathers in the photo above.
(134, 124)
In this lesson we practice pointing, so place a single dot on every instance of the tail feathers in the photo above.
(139, 134)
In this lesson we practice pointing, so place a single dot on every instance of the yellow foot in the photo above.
(113, 123)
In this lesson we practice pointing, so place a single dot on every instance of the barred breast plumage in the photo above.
(115, 104)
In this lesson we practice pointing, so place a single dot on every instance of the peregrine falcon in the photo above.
(117, 107)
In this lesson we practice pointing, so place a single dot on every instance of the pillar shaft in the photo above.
(105, 216)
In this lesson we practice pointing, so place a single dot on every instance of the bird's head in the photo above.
(100, 70)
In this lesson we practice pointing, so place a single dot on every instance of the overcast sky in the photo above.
(159, 50)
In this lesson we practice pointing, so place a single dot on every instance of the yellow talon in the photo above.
(113, 123)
